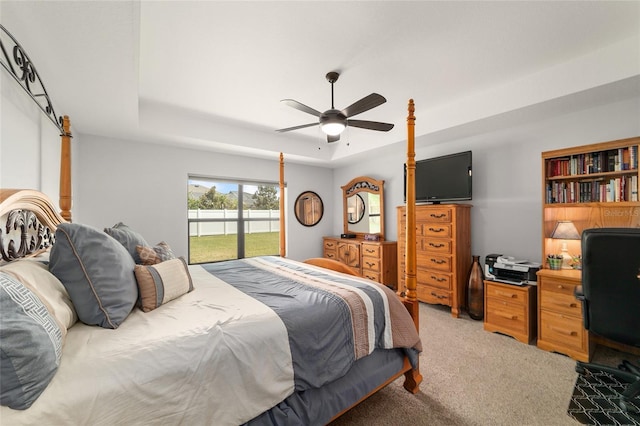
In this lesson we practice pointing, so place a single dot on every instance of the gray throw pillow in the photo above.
(128, 238)
(30, 344)
(97, 272)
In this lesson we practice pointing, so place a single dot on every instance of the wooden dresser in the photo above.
(443, 239)
(510, 309)
(375, 260)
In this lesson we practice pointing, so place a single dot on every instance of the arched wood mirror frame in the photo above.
(372, 192)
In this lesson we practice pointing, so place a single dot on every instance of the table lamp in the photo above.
(565, 230)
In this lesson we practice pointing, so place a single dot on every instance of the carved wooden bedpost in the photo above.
(283, 248)
(65, 170)
(411, 259)
(413, 378)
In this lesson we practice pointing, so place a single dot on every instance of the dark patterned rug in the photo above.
(595, 401)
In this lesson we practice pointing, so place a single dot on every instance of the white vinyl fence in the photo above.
(270, 222)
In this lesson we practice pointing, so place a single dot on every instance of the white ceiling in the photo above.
(210, 74)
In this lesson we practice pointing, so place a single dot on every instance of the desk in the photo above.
(560, 324)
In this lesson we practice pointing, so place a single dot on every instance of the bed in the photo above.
(100, 328)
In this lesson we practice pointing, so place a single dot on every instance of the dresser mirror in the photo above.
(309, 208)
(363, 206)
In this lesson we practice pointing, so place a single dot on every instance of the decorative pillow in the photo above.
(37, 278)
(153, 255)
(128, 238)
(97, 271)
(162, 282)
(30, 342)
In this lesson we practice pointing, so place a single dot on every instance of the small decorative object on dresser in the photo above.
(475, 290)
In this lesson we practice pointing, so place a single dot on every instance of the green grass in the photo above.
(212, 248)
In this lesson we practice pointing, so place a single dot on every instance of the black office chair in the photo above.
(610, 295)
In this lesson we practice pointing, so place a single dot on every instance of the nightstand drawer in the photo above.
(507, 317)
(558, 286)
(508, 294)
(565, 330)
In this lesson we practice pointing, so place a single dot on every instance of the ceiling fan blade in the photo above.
(302, 107)
(335, 138)
(302, 126)
(371, 125)
(364, 104)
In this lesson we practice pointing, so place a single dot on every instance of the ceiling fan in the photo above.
(333, 121)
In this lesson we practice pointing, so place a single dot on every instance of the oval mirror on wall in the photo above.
(309, 208)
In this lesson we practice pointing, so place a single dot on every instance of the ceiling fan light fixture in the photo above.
(332, 128)
(333, 122)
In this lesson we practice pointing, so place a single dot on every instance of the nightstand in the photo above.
(510, 309)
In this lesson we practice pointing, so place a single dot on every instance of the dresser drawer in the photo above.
(507, 316)
(371, 275)
(430, 294)
(371, 250)
(564, 330)
(438, 215)
(561, 303)
(558, 286)
(434, 261)
(370, 264)
(435, 245)
(330, 254)
(330, 245)
(435, 230)
(434, 279)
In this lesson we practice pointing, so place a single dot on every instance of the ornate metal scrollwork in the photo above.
(21, 68)
(31, 235)
(362, 185)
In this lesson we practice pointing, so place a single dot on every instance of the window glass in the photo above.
(232, 219)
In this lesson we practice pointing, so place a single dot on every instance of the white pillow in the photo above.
(37, 278)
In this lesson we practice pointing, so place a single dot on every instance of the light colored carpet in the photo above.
(473, 377)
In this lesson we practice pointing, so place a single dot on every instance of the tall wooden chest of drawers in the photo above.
(375, 260)
(560, 324)
(443, 239)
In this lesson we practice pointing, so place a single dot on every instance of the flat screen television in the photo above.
(443, 179)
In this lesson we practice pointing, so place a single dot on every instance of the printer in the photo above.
(508, 269)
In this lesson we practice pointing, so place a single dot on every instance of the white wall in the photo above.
(507, 185)
(29, 143)
(124, 180)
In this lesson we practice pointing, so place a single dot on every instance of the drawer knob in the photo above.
(564, 331)
(433, 277)
(436, 230)
(507, 316)
(437, 296)
(510, 295)
(560, 286)
(370, 251)
(438, 216)
(369, 264)
(438, 262)
(436, 245)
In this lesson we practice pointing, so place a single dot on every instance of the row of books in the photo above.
(594, 162)
(624, 188)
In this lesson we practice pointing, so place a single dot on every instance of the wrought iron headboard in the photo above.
(16, 61)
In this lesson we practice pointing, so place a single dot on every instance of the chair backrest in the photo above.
(611, 283)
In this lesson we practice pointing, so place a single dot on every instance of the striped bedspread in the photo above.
(331, 319)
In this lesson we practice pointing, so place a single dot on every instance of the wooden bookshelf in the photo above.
(594, 186)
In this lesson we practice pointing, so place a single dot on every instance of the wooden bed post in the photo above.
(413, 378)
(65, 170)
(283, 248)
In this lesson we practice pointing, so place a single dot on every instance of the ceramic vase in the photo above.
(475, 290)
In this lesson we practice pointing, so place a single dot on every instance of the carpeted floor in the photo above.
(473, 377)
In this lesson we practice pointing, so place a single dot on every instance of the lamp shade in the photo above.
(565, 230)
